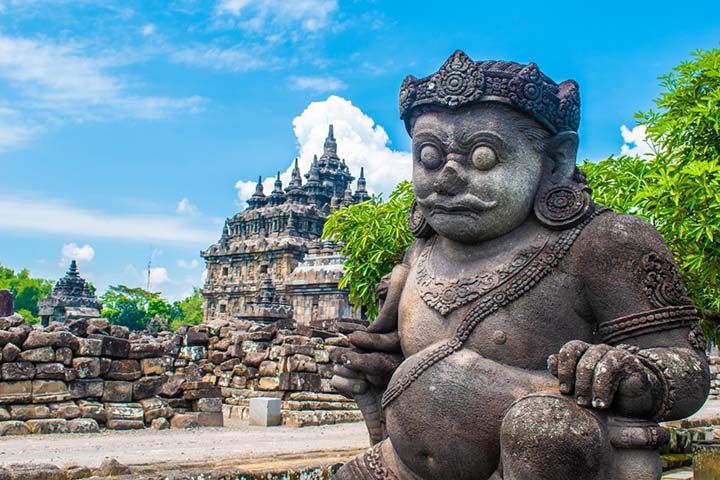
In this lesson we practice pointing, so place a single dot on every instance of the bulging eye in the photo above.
(430, 156)
(484, 157)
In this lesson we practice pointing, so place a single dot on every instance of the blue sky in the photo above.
(131, 129)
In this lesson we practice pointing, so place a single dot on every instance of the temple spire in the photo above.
(73, 270)
(361, 194)
(330, 144)
(258, 199)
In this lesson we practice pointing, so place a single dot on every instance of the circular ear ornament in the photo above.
(563, 204)
(417, 223)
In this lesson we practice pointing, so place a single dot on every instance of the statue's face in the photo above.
(476, 171)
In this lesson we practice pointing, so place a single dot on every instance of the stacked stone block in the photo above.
(714, 378)
(86, 375)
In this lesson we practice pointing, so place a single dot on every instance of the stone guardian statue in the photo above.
(529, 333)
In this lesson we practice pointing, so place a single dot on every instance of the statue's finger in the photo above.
(609, 371)
(383, 342)
(585, 373)
(337, 353)
(387, 318)
(568, 358)
(372, 363)
(552, 365)
(349, 386)
(343, 371)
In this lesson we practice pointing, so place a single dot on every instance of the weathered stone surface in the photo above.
(207, 405)
(155, 408)
(185, 420)
(196, 339)
(16, 392)
(36, 339)
(160, 423)
(173, 386)
(6, 303)
(47, 425)
(93, 410)
(289, 350)
(64, 340)
(83, 425)
(105, 364)
(13, 427)
(210, 419)
(27, 412)
(89, 347)
(302, 363)
(114, 347)
(300, 381)
(14, 371)
(111, 468)
(120, 331)
(146, 387)
(46, 391)
(269, 383)
(152, 366)
(86, 367)
(268, 368)
(10, 352)
(38, 355)
(64, 355)
(209, 392)
(124, 416)
(4, 414)
(34, 471)
(145, 350)
(77, 472)
(127, 370)
(66, 410)
(116, 391)
(91, 388)
(50, 371)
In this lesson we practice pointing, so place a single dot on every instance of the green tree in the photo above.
(134, 307)
(376, 235)
(677, 187)
(190, 310)
(26, 290)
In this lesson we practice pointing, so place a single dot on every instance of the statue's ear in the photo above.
(563, 150)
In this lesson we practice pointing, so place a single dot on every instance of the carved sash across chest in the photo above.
(520, 281)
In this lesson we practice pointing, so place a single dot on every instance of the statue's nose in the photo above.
(452, 179)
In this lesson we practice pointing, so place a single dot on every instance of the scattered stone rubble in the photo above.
(85, 374)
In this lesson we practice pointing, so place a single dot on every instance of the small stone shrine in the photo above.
(269, 263)
(528, 333)
(72, 297)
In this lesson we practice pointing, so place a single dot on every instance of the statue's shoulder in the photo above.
(616, 238)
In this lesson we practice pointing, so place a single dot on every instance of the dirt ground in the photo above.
(236, 442)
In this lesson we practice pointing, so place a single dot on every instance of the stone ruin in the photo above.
(83, 375)
(71, 297)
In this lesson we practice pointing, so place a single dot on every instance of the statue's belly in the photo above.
(447, 423)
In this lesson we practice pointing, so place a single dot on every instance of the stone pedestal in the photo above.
(706, 460)
(265, 412)
(6, 303)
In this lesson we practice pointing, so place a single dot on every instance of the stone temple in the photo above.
(72, 297)
(270, 263)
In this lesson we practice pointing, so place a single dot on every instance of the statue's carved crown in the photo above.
(461, 81)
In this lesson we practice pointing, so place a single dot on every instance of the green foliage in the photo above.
(191, 310)
(27, 291)
(376, 236)
(135, 307)
(677, 188)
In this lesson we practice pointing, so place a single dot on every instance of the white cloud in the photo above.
(185, 208)
(235, 59)
(148, 29)
(24, 215)
(158, 276)
(310, 15)
(317, 84)
(635, 142)
(360, 142)
(188, 264)
(71, 251)
(64, 78)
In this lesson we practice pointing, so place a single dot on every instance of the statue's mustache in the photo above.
(456, 203)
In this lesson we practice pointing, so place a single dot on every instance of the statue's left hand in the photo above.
(604, 377)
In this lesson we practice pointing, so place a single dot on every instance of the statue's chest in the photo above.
(521, 332)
